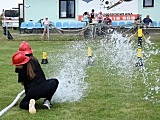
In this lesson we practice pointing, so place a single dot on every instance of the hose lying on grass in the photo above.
(13, 103)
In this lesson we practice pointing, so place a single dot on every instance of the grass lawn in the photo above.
(114, 88)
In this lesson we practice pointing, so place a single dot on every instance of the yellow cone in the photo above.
(89, 52)
(139, 53)
(44, 58)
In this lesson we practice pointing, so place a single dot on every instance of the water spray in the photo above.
(139, 55)
(13, 103)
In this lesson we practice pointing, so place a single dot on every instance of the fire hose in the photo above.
(13, 103)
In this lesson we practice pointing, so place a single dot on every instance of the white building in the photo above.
(72, 10)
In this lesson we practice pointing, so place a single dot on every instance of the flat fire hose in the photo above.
(13, 103)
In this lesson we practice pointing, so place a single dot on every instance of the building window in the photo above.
(148, 3)
(67, 8)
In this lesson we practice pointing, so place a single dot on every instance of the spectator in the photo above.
(138, 19)
(100, 17)
(147, 21)
(86, 17)
(46, 24)
(92, 15)
(107, 20)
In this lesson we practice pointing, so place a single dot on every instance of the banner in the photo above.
(99, 5)
(115, 17)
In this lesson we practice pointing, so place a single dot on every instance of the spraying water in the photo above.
(151, 77)
(71, 73)
(118, 55)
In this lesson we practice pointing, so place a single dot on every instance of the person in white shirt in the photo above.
(46, 24)
(100, 17)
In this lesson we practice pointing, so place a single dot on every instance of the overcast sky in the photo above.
(9, 4)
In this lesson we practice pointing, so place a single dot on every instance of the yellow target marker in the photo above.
(90, 61)
(140, 34)
(44, 58)
(89, 52)
(139, 54)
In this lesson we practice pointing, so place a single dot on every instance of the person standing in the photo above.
(138, 19)
(92, 15)
(100, 17)
(86, 18)
(46, 24)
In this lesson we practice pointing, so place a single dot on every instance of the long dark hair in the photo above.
(31, 67)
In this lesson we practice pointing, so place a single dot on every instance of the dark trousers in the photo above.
(53, 84)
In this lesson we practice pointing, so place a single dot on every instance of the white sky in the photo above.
(9, 4)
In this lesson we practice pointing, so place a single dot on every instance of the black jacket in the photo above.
(37, 86)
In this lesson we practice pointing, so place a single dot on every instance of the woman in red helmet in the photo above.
(31, 75)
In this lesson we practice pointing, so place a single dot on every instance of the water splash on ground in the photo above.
(118, 55)
(71, 73)
(151, 78)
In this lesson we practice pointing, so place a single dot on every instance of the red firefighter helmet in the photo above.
(19, 58)
(25, 47)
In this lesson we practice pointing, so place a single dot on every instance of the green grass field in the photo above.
(116, 89)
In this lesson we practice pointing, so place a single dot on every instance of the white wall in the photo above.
(40, 9)
(154, 12)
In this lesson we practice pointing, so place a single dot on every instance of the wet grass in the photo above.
(107, 98)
